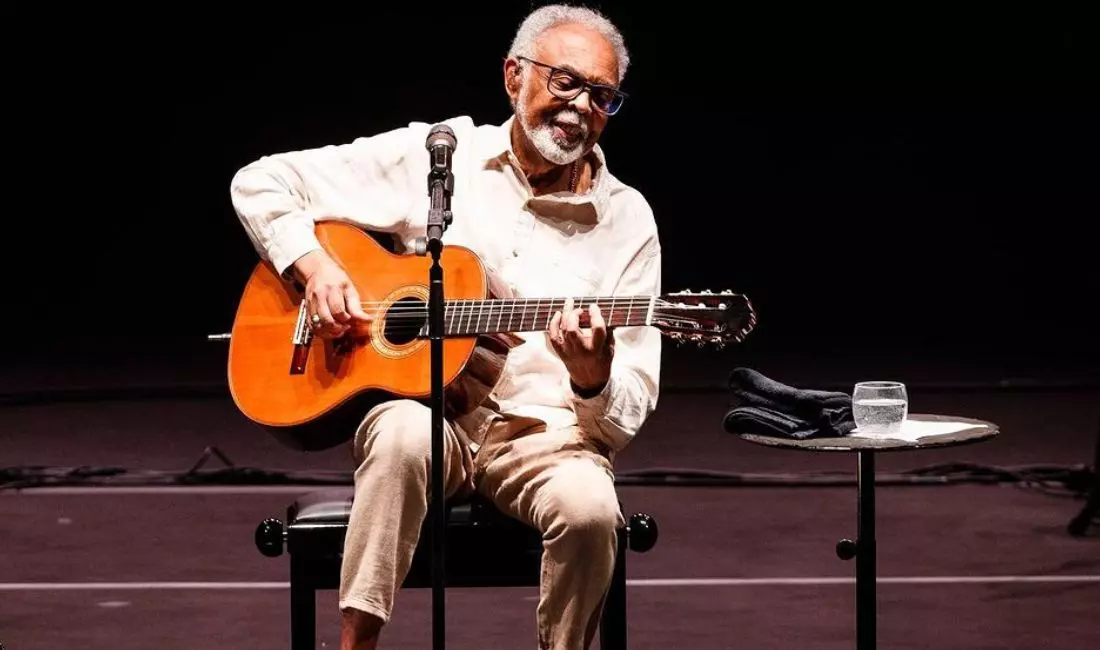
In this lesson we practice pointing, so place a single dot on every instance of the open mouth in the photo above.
(569, 131)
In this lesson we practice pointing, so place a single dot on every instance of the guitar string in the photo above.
(511, 302)
(419, 312)
(418, 320)
(489, 307)
(525, 307)
(414, 314)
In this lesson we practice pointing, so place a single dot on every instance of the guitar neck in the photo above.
(470, 317)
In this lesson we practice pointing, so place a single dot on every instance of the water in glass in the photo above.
(879, 407)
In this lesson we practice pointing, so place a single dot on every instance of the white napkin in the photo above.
(913, 430)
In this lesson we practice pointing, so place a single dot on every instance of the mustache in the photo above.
(573, 116)
(569, 117)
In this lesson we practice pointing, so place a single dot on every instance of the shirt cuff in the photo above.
(592, 417)
(593, 403)
(292, 243)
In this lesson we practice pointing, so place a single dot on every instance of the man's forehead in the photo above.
(580, 50)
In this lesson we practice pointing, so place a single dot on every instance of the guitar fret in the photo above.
(465, 316)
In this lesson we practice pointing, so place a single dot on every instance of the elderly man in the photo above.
(535, 199)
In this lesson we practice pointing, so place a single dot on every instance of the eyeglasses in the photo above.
(567, 85)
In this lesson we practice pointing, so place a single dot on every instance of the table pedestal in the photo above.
(865, 552)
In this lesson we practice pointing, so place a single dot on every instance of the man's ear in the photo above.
(512, 73)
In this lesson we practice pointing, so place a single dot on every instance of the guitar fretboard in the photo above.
(469, 317)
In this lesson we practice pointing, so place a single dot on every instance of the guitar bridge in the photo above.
(301, 340)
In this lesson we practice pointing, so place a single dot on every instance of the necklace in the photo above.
(573, 178)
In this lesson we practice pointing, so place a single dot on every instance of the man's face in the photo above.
(563, 129)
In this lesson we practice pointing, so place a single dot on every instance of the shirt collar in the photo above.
(496, 145)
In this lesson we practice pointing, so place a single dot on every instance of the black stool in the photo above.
(485, 548)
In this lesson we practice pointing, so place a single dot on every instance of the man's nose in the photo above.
(582, 102)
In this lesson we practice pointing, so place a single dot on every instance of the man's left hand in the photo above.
(586, 351)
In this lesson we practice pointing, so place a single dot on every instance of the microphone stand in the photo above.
(440, 188)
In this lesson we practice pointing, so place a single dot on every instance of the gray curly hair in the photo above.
(543, 18)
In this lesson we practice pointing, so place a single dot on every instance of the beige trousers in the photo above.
(553, 480)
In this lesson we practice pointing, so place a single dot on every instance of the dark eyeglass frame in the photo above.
(614, 106)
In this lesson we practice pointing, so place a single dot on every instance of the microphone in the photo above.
(441, 144)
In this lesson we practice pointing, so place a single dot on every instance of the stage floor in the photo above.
(961, 566)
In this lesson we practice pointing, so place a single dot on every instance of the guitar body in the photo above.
(321, 404)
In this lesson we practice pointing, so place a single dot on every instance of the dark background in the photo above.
(905, 193)
(911, 188)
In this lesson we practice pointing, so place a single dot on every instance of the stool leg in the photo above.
(613, 621)
(303, 608)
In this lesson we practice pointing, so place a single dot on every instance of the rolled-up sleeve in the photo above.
(279, 198)
(630, 396)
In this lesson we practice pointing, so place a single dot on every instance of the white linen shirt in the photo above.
(601, 243)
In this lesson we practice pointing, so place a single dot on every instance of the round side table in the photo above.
(968, 430)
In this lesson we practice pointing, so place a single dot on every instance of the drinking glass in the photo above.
(879, 407)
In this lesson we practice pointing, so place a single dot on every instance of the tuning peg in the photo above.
(718, 342)
(727, 292)
(706, 292)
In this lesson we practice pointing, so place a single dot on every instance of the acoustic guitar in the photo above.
(310, 393)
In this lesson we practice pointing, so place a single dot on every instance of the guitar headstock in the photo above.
(704, 317)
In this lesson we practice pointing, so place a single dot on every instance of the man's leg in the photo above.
(392, 487)
(564, 487)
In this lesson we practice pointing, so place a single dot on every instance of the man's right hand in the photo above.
(330, 295)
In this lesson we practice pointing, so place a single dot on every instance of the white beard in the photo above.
(542, 136)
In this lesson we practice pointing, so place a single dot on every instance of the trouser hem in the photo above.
(367, 606)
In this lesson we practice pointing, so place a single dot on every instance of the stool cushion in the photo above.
(483, 545)
(334, 506)
(322, 506)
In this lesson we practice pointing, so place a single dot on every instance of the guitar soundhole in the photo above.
(405, 319)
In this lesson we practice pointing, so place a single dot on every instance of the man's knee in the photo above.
(398, 431)
(583, 511)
